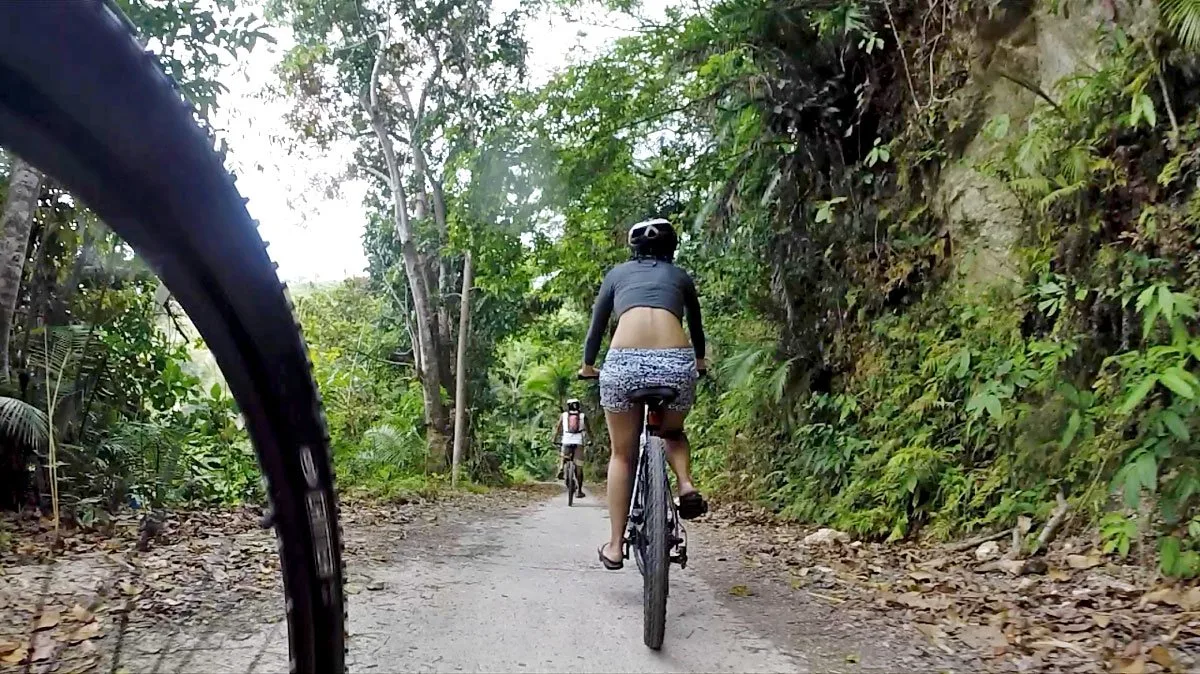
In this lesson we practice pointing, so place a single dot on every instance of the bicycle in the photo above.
(569, 476)
(82, 101)
(655, 533)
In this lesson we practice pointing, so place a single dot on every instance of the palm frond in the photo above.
(1183, 18)
(551, 381)
(385, 444)
(55, 353)
(23, 422)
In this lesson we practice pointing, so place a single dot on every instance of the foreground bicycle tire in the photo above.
(80, 100)
(656, 553)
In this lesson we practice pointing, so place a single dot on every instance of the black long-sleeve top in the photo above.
(645, 283)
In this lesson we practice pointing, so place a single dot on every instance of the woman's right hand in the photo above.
(701, 365)
(588, 372)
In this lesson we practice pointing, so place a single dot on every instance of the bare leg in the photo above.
(678, 452)
(623, 429)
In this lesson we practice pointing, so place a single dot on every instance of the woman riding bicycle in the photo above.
(650, 297)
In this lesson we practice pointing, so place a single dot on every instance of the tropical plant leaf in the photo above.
(1175, 425)
(1176, 380)
(23, 422)
(1073, 423)
(1138, 394)
(1183, 18)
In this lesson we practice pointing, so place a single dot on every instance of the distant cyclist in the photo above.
(650, 297)
(572, 430)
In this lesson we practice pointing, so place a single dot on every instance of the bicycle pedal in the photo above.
(680, 557)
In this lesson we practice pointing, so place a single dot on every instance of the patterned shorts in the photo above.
(626, 370)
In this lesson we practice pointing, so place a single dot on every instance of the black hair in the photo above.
(662, 251)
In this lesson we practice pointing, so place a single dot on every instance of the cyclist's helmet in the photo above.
(654, 238)
(573, 405)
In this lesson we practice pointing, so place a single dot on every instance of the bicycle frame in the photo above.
(651, 426)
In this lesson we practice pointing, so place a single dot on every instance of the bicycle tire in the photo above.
(657, 558)
(82, 101)
(569, 474)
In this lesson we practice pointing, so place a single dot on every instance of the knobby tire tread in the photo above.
(82, 101)
(657, 552)
(569, 474)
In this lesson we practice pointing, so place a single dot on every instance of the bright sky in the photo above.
(316, 232)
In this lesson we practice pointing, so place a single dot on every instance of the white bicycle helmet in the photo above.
(653, 238)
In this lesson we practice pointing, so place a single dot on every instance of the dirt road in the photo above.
(518, 591)
(507, 585)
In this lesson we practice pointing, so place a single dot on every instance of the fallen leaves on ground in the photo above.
(63, 599)
(1072, 610)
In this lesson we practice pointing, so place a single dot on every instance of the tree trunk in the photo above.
(40, 292)
(460, 386)
(441, 280)
(436, 418)
(24, 187)
(445, 341)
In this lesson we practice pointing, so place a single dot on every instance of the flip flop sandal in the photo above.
(608, 563)
(691, 505)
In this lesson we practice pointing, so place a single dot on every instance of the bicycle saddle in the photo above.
(662, 395)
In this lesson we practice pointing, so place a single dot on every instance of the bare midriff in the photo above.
(649, 328)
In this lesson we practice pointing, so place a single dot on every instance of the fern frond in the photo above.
(740, 367)
(1032, 187)
(779, 380)
(1061, 193)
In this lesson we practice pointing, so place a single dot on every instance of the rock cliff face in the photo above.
(1022, 52)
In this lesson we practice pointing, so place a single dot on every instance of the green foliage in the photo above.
(191, 39)
(1177, 558)
(373, 406)
(1117, 532)
(105, 387)
(532, 378)
(857, 384)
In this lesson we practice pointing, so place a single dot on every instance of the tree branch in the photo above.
(1052, 526)
(373, 87)
(437, 72)
(377, 173)
(903, 57)
(1033, 88)
(977, 541)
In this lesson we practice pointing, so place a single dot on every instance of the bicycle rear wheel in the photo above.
(80, 100)
(656, 553)
(569, 475)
